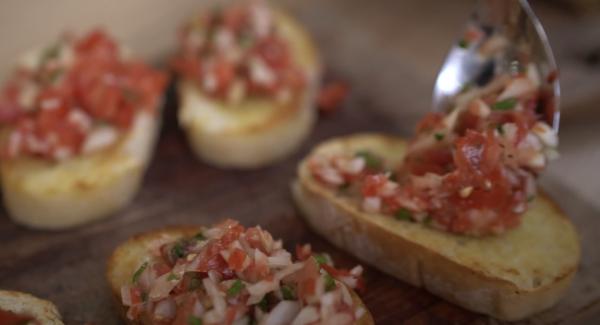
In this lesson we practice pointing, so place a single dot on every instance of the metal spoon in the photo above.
(476, 62)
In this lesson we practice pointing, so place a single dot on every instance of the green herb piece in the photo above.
(439, 136)
(246, 40)
(372, 161)
(505, 105)
(193, 320)
(263, 304)
(194, 284)
(530, 198)
(403, 214)
(393, 176)
(321, 259)
(172, 277)
(235, 288)
(329, 282)
(199, 236)
(50, 52)
(138, 273)
(463, 43)
(287, 292)
(54, 75)
(177, 250)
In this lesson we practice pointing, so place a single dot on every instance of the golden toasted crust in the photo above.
(128, 257)
(25, 304)
(509, 277)
(48, 195)
(257, 131)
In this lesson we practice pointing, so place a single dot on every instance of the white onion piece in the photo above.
(100, 138)
(307, 315)
(371, 204)
(517, 88)
(165, 310)
(280, 258)
(216, 296)
(198, 309)
(126, 295)
(283, 313)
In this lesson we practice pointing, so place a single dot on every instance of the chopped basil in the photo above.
(372, 161)
(193, 320)
(235, 288)
(463, 43)
(439, 136)
(199, 236)
(50, 52)
(172, 277)
(287, 292)
(329, 282)
(321, 259)
(263, 304)
(505, 105)
(194, 284)
(139, 272)
(54, 75)
(177, 250)
(403, 214)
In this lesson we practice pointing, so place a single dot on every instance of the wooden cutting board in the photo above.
(68, 267)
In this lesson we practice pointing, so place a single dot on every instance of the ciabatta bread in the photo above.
(23, 304)
(510, 276)
(256, 131)
(55, 195)
(128, 257)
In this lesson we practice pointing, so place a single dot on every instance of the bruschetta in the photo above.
(78, 123)
(18, 308)
(248, 77)
(455, 209)
(228, 274)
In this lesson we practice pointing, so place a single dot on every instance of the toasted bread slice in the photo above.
(23, 304)
(256, 131)
(509, 277)
(128, 257)
(56, 195)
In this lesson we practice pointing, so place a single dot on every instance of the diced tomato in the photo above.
(429, 122)
(236, 259)
(303, 251)
(331, 96)
(372, 184)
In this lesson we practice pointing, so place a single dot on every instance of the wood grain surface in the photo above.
(68, 267)
(388, 95)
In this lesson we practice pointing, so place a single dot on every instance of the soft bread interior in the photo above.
(25, 304)
(48, 195)
(483, 274)
(256, 131)
(128, 257)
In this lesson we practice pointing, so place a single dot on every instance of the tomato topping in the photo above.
(236, 52)
(78, 85)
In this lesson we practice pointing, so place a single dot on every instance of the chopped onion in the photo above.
(307, 315)
(371, 204)
(283, 313)
(216, 296)
(165, 309)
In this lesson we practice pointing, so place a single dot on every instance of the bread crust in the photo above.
(276, 135)
(374, 240)
(48, 195)
(22, 303)
(128, 256)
